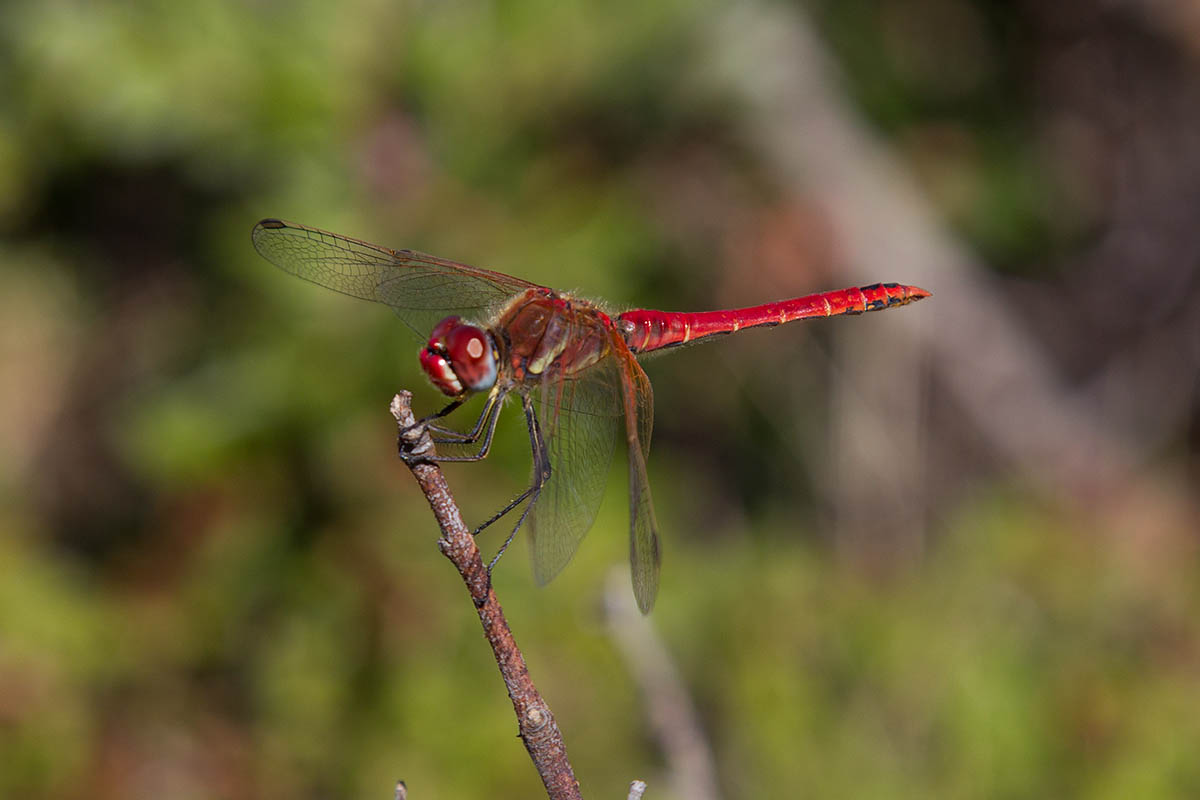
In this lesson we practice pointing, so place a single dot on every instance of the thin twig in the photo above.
(536, 724)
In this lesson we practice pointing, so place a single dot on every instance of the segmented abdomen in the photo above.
(645, 329)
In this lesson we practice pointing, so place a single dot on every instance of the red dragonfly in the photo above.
(572, 364)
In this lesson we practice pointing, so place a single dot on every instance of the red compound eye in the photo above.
(470, 352)
(459, 358)
(437, 337)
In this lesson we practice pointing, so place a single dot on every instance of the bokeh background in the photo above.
(948, 550)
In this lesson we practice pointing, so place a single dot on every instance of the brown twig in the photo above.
(536, 724)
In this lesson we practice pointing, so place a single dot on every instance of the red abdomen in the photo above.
(645, 329)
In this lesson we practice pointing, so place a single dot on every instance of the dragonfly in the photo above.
(573, 365)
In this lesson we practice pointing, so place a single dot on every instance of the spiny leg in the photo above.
(541, 474)
(447, 435)
(450, 435)
(485, 424)
(428, 421)
(516, 501)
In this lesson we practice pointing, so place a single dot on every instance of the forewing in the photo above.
(579, 418)
(645, 557)
(420, 288)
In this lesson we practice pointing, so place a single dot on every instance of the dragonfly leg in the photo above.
(541, 474)
(445, 435)
(485, 427)
(428, 421)
(451, 434)
(485, 430)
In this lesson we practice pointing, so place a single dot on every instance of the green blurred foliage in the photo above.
(217, 581)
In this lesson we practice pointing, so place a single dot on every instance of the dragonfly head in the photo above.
(460, 357)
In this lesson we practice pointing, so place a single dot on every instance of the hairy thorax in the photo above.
(547, 335)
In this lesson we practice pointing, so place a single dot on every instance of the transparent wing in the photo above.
(645, 556)
(420, 288)
(579, 418)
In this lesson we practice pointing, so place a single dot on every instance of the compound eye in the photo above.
(470, 352)
(437, 337)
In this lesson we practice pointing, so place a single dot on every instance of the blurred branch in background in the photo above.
(669, 707)
(970, 339)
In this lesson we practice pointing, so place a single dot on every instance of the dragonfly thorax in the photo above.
(460, 357)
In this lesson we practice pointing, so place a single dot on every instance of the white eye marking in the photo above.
(475, 348)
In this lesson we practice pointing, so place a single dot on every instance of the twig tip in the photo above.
(401, 404)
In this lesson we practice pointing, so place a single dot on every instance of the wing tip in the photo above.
(645, 599)
(645, 567)
(267, 224)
